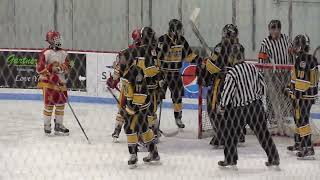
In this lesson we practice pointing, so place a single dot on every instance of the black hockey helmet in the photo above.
(236, 54)
(301, 43)
(176, 27)
(274, 24)
(230, 31)
(147, 35)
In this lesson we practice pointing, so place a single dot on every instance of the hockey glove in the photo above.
(111, 83)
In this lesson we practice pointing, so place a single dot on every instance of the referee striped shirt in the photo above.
(275, 49)
(243, 84)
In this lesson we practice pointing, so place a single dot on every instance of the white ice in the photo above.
(26, 153)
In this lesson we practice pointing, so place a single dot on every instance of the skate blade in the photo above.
(241, 145)
(115, 140)
(307, 158)
(292, 153)
(48, 134)
(153, 162)
(61, 134)
(229, 168)
(133, 166)
(274, 168)
(215, 147)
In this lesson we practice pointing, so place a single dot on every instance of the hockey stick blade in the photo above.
(196, 31)
(194, 14)
(169, 134)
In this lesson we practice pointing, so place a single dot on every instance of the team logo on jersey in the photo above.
(303, 64)
(217, 49)
(189, 79)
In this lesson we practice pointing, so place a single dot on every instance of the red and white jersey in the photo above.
(50, 58)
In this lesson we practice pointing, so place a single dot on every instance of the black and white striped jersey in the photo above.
(275, 51)
(243, 84)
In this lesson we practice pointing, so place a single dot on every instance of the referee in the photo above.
(275, 50)
(241, 104)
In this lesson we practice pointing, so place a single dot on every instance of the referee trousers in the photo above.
(253, 115)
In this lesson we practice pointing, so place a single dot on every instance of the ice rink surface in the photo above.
(26, 153)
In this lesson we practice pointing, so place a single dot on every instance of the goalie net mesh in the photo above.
(279, 110)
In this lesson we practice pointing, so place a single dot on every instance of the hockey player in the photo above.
(241, 104)
(52, 66)
(303, 90)
(214, 76)
(173, 48)
(137, 100)
(146, 57)
(114, 79)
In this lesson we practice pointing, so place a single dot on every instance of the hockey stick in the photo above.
(196, 31)
(75, 116)
(316, 54)
(165, 134)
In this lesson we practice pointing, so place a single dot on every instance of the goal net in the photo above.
(279, 109)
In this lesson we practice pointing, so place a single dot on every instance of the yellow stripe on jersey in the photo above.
(132, 138)
(215, 94)
(51, 86)
(141, 63)
(191, 57)
(297, 112)
(133, 122)
(130, 111)
(174, 54)
(211, 67)
(302, 85)
(152, 120)
(139, 99)
(127, 88)
(147, 136)
(314, 76)
(151, 71)
(305, 130)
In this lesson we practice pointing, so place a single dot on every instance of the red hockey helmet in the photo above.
(53, 38)
(136, 35)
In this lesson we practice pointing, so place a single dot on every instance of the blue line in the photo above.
(78, 99)
(95, 100)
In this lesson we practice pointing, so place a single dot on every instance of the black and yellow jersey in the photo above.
(135, 90)
(220, 57)
(146, 59)
(171, 53)
(304, 77)
(125, 55)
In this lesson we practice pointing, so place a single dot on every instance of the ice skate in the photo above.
(179, 123)
(225, 164)
(60, 130)
(152, 157)
(306, 153)
(115, 134)
(47, 129)
(132, 162)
